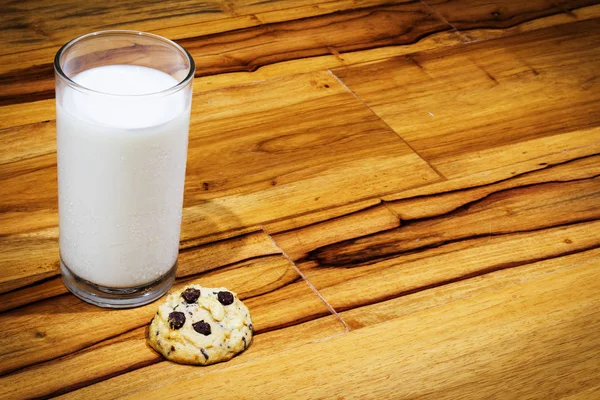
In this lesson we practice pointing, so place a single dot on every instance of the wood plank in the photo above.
(270, 286)
(125, 361)
(482, 19)
(19, 143)
(541, 161)
(538, 338)
(41, 288)
(451, 237)
(287, 10)
(488, 105)
(579, 14)
(300, 242)
(39, 258)
(301, 220)
(28, 30)
(15, 115)
(440, 296)
(424, 204)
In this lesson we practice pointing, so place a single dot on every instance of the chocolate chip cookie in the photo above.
(199, 325)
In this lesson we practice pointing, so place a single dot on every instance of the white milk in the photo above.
(121, 162)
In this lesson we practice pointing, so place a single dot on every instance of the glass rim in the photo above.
(173, 89)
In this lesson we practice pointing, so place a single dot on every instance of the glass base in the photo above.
(116, 297)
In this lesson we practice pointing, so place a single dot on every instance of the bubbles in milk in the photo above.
(121, 159)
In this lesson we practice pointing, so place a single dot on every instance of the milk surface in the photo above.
(121, 162)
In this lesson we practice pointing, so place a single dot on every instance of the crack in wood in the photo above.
(351, 262)
(43, 73)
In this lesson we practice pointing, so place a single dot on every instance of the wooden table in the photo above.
(406, 195)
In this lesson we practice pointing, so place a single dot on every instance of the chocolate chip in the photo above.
(202, 327)
(176, 319)
(190, 295)
(172, 348)
(157, 333)
(204, 353)
(251, 327)
(225, 298)
(244, 340)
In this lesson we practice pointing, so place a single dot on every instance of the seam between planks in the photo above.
(442, 177)
(440, 16)
(310, 285)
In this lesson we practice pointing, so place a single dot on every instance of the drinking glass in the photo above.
(123, 103)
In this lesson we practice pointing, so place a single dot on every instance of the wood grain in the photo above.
(194, 258)
(15, 115)
(275, 155)
(250, 48)
(246, 36)
(540, 77)
(270, 285)
(500, 343)
(480, 19)
(239, 175)
(406, 194)
(27, 30)
(115, 367)
(128, 383)
(452, 237)
(485, 121)
(440, 296)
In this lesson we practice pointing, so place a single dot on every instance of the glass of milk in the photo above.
(122, 119)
